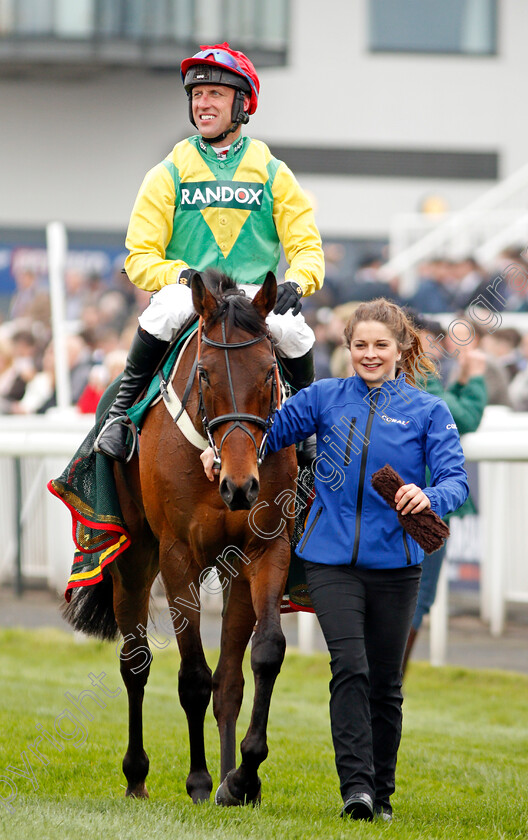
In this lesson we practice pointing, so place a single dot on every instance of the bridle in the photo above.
(237, 418)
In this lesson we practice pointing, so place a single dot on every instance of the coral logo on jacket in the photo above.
(241, 195)
(394, 420)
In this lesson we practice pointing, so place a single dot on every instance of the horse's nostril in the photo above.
(226, 490)
(239, 497)
(252, 490)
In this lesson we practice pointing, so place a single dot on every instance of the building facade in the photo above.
(374, 106)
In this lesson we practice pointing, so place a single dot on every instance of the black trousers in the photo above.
(365, 616)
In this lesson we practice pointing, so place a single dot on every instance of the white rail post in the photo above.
(58, 536)
(495, 535)
(485, 474)
(438, 620)
(57, 250)
(306, 631)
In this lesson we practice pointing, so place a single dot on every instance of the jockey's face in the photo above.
(211, 107)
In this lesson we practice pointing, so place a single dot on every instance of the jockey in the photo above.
(220, 199)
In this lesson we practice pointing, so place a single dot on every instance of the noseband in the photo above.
(236, 418)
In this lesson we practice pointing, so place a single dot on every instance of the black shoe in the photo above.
(113, 439)
(358, 806)
(143, 358)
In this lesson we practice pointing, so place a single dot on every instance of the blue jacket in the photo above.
(358, 432)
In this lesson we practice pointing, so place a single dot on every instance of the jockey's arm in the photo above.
(150, 231)
(295, 223)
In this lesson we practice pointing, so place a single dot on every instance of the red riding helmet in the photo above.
(220, 65)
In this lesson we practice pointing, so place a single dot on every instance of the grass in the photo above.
(462, 770)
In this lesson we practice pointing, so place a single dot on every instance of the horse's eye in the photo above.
(271, 374)
(203, 375)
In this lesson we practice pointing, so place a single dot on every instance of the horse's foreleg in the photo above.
(194, 677)
(228, 680)
(242, 786)
(131, 610)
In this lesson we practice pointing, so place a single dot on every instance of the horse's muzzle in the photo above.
(239, 497)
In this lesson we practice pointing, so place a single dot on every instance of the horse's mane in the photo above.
(233, 305)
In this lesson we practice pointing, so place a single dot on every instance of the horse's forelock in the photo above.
(233, 305)
(219, 284)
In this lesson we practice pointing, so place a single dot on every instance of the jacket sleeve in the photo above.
(467, 403)
(294, 219)
(296, 420)
(445, 459)
(149, 233)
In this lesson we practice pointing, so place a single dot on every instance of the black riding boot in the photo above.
(300, 373)
(144, 355)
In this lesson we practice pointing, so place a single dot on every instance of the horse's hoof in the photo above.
(138, 791)
(199, 785)
(256, 799)
(224, 796)
(199, 796)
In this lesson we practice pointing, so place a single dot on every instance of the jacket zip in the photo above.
(406, 547)
(362, 471)
(349, 441)
(309, 531)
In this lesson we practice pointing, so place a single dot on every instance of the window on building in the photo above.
(146, 33)
(262, 23)
(157, 20)
(466, 27)
(245, 22)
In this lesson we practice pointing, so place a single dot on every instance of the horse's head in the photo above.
(237, 374)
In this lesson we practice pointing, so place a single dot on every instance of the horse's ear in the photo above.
(203, 301)
(264, 300)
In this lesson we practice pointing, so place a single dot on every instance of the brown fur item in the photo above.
(425, 527)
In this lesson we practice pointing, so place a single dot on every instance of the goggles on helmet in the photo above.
(225, 58)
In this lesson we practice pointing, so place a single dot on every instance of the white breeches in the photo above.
(172, 305)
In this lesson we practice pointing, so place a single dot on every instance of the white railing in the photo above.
(44, 444)
(494, 217)
(33, 450)
(516, 232)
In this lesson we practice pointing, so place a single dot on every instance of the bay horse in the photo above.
(180, 524)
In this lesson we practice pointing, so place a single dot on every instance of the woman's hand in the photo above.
(207, 459)
(410, 499)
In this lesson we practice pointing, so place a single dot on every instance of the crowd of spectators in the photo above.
(449, 293)
(102, 317)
